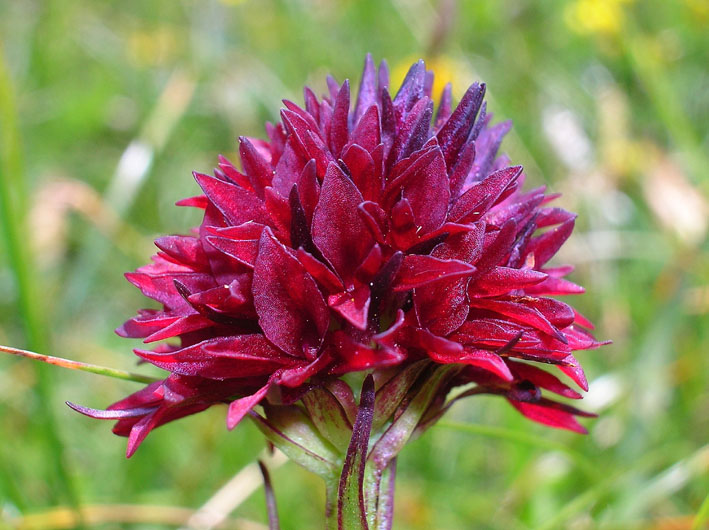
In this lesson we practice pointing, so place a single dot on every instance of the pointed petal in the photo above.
(352, 305)
(367, 93)
(418, 270)
(236, 204)
(338, 231)
(292, 312)
(241, 407)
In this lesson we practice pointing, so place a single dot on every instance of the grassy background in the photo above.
(106, 107)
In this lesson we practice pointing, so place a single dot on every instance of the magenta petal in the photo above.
(445, 107)
(461, 169)
(543, 379)
(354, 356)
(291, 310)
(296, 376)
(554, 287)
(338, 230)
(186, 250)
(545, 246)
(477, 200)
(455, 132)
(307, 144)
(413, 132)
(309, 189)
(443, 306)
(241, 407)
(179, 327)
(361, 168)
(140, 430)
(243, 251)
(375, 219)
(233, 175)
(411, 89)
(552, 414)
(289, 166)
(502, 280)
(520, 312)
(257, 168)
(111, 414)
(484, 359)
(223, 358)
(236, 204)
(426, 188)
(367, 133)
(320, 272)
(437, 345)
(199, 201)
(339, 127)
(352, 305)
(486, 146)
(573, 370)
(417, 270)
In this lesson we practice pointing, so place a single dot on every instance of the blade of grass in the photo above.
(13, 202)
(702, 515)
(216, 510)
(595, 494)
(76, 365)
(664, 98)
(502, 433)
(666, 483)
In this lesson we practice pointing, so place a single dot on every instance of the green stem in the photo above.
(384, 516)
(30, 300)
(331, 487)
(76, 365)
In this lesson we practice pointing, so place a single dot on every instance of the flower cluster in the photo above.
(374, 236)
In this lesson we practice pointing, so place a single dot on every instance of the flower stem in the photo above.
(385, 504)
(331, 487)
(76, 365)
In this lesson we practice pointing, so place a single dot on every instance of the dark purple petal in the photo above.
(419, 270)
(338, 230)
(236, 204)
(367, 94)
(291, 310)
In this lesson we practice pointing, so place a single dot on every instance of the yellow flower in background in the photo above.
(604, 17)
(153, 46)
(448, 70)
(699, 8)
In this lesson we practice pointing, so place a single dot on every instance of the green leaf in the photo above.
(329, 417)
(391, 394)
(289, 429)
(398, 433)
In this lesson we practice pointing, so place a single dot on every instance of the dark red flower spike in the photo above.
(364, 234)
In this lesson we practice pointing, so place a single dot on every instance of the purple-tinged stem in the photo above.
(273, 523)
(351, 513)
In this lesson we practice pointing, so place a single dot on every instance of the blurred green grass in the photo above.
(610, 100)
